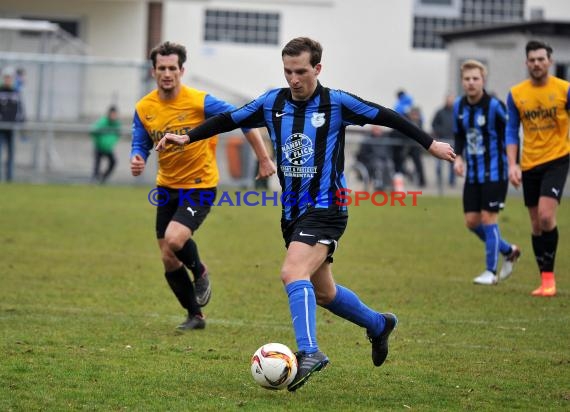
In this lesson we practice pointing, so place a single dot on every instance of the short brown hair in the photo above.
(533, 45)
(474, 64)
(167, 48)
(304, 44)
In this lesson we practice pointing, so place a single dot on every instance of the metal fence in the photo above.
(63, 153)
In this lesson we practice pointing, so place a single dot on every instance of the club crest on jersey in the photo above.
(298, 149)
(318, 119)
(481, 120)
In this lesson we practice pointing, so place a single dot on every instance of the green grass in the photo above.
(87, 320)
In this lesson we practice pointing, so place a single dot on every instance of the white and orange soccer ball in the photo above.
(274, 366)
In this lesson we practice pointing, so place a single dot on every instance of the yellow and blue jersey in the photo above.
(179, 167)
(543, 112)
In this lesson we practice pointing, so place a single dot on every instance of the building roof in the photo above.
(28, 25)
(540, 27)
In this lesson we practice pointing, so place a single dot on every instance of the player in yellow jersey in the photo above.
(187, 176)
(541, 104)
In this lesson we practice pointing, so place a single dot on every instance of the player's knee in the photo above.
(547, 221)
(170, 262)
(175, 242)
(472, 223)
(287, 276)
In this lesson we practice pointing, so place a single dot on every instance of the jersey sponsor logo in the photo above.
(280, 114)
(318, 119)
(299, 171)
(540, 114)
(298, 149)
(475, 144)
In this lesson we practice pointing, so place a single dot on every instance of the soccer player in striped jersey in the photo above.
(184, 173)
(306, 123)
(479, 127)
(541, 104)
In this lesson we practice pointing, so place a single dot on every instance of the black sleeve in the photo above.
(214, 125)
(459, 143)
(459, 134)
(389, 118)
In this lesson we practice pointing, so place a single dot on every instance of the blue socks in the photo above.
(479, 232)
(347, 305)
(494, 243)
(491, 247)
(303, 308)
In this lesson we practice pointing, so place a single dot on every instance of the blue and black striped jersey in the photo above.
(480, 130)
(308, 140)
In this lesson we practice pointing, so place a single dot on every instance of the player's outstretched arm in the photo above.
(214, 125)
(442, 150)
(179, 139)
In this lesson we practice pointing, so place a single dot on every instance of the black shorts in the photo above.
(186, 206)
(316, 225)
(547, 180)
(488, 196)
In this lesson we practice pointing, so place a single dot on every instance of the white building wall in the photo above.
(110, 28)
(553, 9)
(367, 43)
(113, 29)
(367, 48)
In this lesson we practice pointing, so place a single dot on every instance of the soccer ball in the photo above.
(274, 366)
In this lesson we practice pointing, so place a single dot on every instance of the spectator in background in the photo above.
(415, 116)
(401, 152)
(374, 157)
(20, 79)
(11, 110)
(404, 102)
(442, 127)
(105, 132)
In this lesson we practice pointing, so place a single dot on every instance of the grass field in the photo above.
(87, 320)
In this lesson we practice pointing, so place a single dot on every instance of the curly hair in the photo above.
(168, 48)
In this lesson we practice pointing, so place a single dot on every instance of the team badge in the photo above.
(318, 119)
(481, 121)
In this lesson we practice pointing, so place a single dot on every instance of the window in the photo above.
(434, 16)
(438, 8)
(241, 27)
